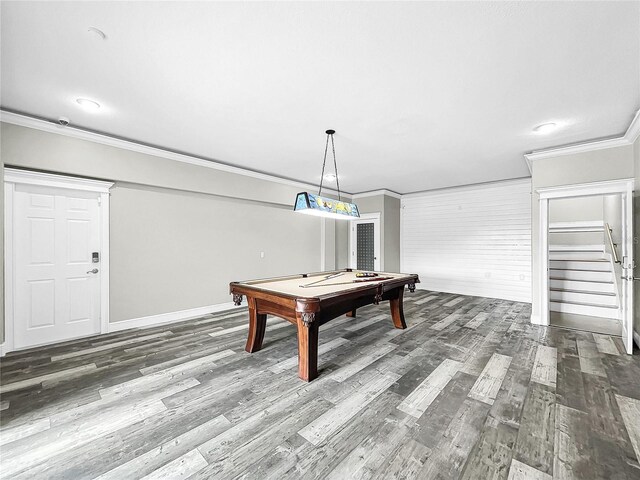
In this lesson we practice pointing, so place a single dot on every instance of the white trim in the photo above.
(375, 216)
(623, 186)
(529, 164)
(73, 132)
(15, 176)
(543, 254)
(170, 317)
(627, 264)
(7, 346)
(472, 186)
(535, 320)
(104, 261)
(576, 225)
(374, 193)
(573, 149)
(587, 189)
(29, 177)
(628, 138)
(633, 132)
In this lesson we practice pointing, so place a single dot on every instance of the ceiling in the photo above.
(422, 95)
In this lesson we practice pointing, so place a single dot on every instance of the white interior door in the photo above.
(365, 243)
(56, 248)
(627, 271)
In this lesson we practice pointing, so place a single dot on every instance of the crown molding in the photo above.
(469, 187)
(573, 149)
(628, 138)
(14, 175)
(634, 129)
(74, 132)
(607, 187)
(373, 193)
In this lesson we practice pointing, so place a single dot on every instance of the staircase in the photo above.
(582, 281)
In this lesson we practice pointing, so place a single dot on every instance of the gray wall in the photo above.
(330, 245)
(179, 232)
(389, 209)
(576, 209)
(600, 165)
(579, 209)
(391, 234)
(175, 250)
(374, 204)
(342, 243)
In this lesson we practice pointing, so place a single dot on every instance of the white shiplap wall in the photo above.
(473, 240)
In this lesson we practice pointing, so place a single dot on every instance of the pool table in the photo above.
(313, 299)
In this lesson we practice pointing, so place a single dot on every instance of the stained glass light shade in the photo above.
(311, 204)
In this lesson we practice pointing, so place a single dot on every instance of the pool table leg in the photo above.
(397, 311)
(257, 327)
(307, 351)
(352, 313)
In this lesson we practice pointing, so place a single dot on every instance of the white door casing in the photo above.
(622, 187)
(53, 289)
(365, 218)
(627, 264)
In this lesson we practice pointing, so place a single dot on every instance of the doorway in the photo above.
(56, 258)
(586, 258)
(364, 239)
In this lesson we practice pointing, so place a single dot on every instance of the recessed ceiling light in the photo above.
(88, 104)
(330, 177)
(545, 127)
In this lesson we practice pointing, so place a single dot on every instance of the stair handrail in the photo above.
(613, 245)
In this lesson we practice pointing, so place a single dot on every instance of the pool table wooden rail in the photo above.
(308, 313)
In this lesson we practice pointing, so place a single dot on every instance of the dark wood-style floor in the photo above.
(470, 390)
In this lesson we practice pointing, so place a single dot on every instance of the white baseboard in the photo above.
(155, 320)
(3, 349)
(536, 320)
(636, 337)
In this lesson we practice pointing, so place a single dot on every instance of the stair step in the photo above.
(576, 227)
(576, 248)
(579, 256)
(584, 265)
(581, 275)
(595, 299)
(587, 286)
(569, 290)
(585, 309)
(580, 281)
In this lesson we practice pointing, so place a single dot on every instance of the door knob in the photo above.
(95, 270)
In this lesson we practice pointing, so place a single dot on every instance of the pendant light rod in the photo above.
(335, 164)
(324, 162)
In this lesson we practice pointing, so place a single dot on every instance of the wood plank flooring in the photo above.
(470, 390)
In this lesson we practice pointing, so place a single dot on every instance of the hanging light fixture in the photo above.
(311, 204)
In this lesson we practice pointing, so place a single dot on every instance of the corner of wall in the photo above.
(2, 257)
